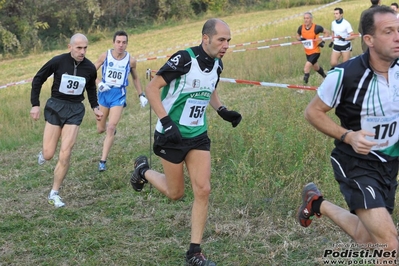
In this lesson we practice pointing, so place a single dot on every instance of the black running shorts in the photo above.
(343, 48)
(365, 184)
(60, 112)
(176, 153)
(313, 58)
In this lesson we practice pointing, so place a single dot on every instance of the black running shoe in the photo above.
(137, 180)
(198, 259)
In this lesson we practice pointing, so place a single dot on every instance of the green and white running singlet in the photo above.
(365, 100)
(186, 98)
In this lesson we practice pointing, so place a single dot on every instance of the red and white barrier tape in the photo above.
(290, 17)
(243, 30)
(231, 46)
(16, 83)
(249, 43)
(251, 82)
(198, 42)
(184, 46)
(153, 58)
(269, 84)
(283, 44)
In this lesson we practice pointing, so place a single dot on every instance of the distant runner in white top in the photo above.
(342, 34)
(395, 7)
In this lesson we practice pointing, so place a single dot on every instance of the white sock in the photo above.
(52, 192)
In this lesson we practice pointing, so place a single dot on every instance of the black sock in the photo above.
(316, 205)
(101, 161)
(306, 77)
(142, 172)
(193, 247)
(321, 72)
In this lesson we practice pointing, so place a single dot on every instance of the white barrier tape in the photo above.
(268, 84)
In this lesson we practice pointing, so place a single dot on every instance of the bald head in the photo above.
(78, 46)
(78, 37)
(209, 27)
(215, 37)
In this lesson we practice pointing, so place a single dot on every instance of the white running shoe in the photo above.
(40, 158)
(55, 200)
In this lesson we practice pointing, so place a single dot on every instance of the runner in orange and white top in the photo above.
(307, 33)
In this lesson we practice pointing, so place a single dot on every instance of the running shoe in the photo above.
(305, 212)
(137, 180)
(198, 259)
(55, 200)
(102, 167)
(40, 158)
(305, 80)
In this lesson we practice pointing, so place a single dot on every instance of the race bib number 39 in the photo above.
(72, 85)
(193, 112)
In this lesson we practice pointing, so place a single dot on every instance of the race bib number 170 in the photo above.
(385, 129)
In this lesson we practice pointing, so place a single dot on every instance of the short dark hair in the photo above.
(120, 33)
(395, 4)
(341, 11)
(367, 21)
(374, 2)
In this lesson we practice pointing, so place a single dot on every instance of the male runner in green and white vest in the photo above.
(188, 81)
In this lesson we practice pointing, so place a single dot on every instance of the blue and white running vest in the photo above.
(115, 72)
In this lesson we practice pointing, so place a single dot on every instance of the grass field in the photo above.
(258, 168)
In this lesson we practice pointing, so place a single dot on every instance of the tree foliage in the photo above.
(28, 25)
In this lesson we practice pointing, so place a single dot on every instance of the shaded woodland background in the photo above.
(28, 26)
